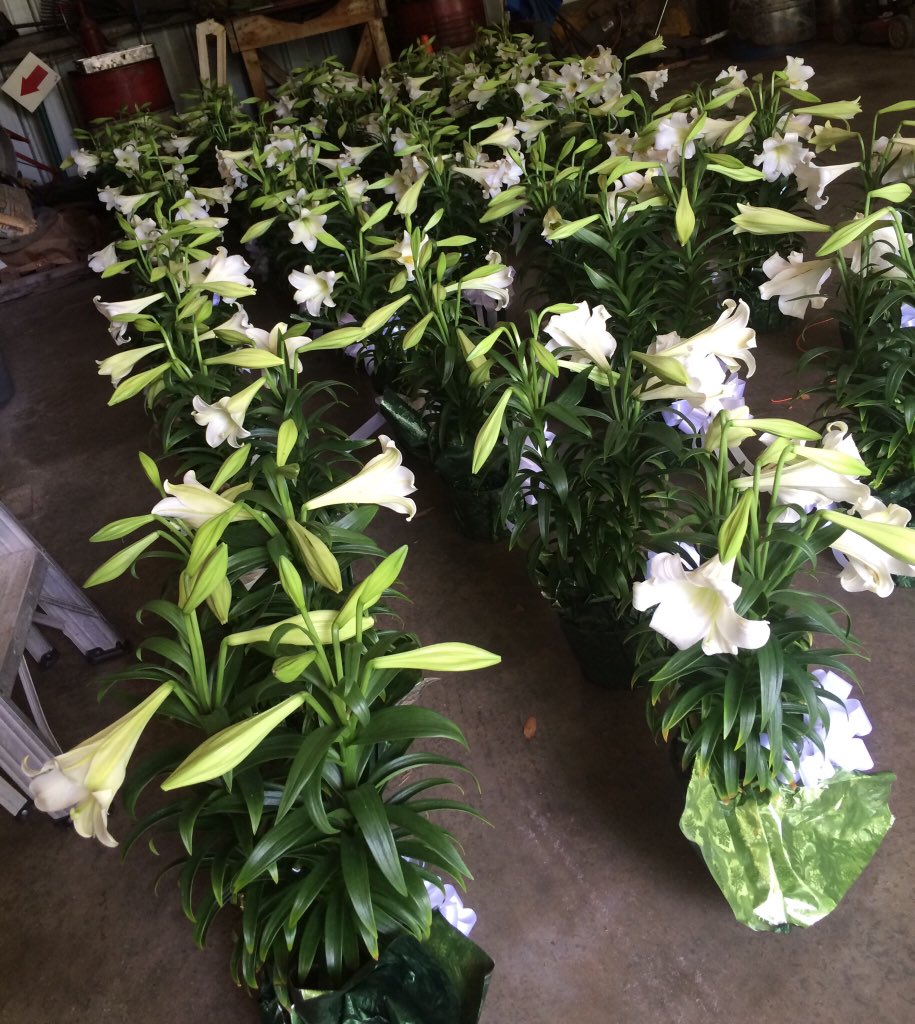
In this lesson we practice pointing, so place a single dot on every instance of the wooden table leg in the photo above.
(364, 52)
(255, 74)
(382, 50)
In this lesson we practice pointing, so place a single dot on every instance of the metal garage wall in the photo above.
(52, 133)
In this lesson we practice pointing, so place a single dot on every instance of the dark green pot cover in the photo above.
(442, 980)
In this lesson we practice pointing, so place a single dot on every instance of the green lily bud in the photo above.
(291, 667)
(227, 749)
(207, 579)
(768, 220)
(369, 591)
(286, 438)
(316, 556)
(446, 657)
(685, 219)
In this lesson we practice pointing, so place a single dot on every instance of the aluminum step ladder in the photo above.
(35, 591)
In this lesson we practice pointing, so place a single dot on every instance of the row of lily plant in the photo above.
(294, 790)
(597, 425)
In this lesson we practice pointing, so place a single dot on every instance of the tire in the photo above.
(901, 32)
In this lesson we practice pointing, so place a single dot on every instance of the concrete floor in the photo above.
(592, 904)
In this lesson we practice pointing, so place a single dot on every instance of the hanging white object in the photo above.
(207, 30)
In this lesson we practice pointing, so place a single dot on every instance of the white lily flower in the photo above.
(708, 385)
(530, 129)
(796, 284)
(221, 195)
(670, 138)
(193, 503)
(899, 154)
(697, 604)
(731, 78)
(400, 140)
(780, 156)
(178, 145)
(84, 162)
(227, 165)
(582, 335)
(192, 208)
(482, 92)
(571, 79)
(356, 186)
(103, 258)
(530, 92)
(729, 339)
(383, 480)
(128, 307)
(127, 205)
(313, 290)
(869, 567)
(86, 778)
(906, 315)
(494, 175)
(878, 243)
(305, 229)
(404, 255)
(225, 269)
(716, 130)
(269, 341)
(809, 483)
(414, 86)
(604, 62)
(814, 179)
(126, 158)
(505, 136)
(146, 231)
(800, 124)
(798, 73)
(109, 195)
(622, 143)
(225, 420)
(495, 286)
(120, 365)
(654, 80)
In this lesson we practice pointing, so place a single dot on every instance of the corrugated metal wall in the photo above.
(51, 131)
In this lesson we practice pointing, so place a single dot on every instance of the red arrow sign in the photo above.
(32, 82)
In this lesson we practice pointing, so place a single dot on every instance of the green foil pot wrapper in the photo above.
(788, 860)
(442, 980)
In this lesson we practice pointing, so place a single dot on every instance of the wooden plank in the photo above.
(382, 50)
(21, 577)
(41, 279)
(364, 52)
(257, 30)
(278, 73)
(255, 74)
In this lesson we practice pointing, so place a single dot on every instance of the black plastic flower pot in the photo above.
(598, 640)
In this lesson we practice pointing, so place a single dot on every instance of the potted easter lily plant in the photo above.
(591, 482)
(755, 689)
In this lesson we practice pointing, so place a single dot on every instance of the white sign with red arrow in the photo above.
(31, 82)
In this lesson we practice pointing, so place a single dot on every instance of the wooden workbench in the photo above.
(248, 35)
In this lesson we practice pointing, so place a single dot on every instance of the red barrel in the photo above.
(132, 86)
